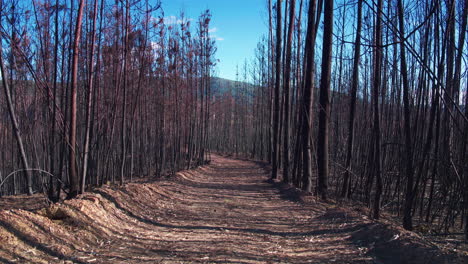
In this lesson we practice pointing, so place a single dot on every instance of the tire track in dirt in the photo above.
(224, 212)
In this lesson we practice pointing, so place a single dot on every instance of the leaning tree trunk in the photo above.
(14, 122)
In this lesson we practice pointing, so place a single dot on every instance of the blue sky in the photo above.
(238, 25)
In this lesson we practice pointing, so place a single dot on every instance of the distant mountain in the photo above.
(220, 86)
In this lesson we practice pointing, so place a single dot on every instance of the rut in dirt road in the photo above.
(225, 212)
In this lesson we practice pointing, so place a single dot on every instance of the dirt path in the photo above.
(221, 213)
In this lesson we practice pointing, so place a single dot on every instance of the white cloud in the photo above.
(212, 30)
(173, 20)
(155, 46)
(216, 37)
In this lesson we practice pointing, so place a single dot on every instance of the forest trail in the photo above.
(225, 212)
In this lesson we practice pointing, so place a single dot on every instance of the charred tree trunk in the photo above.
(14, 122)
(276, 108)
(123, 139)
(306, 111)
(287, 87)
(324, 107)
(375, 106)
(54, 190)
(345, 191)
(409, 194)
(74, 178)
(89, 102)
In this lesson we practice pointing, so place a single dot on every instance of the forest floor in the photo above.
(224, 212)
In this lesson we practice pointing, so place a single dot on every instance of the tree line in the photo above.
(360, 100)
(365, 101)
(98, 92)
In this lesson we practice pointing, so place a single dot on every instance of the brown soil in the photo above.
(25, 202)
(225, 212)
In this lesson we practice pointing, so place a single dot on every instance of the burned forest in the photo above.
(341, 135)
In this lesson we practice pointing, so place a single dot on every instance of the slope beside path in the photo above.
(224, 212)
